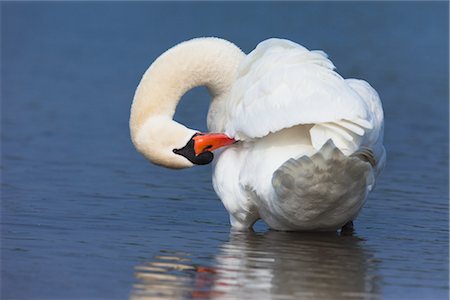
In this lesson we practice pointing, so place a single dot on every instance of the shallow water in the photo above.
(84, 216)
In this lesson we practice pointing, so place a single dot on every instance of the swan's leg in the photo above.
(243, 221)
(348, 228)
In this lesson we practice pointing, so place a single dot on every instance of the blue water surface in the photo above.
(84, 216)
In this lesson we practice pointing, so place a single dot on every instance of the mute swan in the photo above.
(300, 147)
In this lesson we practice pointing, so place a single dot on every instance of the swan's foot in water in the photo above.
(244, 223)
(348, 228)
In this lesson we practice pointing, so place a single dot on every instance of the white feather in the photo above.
(281, 84)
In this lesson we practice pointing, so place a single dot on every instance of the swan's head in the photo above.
(170, 144)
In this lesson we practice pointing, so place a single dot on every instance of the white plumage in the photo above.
(310, 142)
(285, 105)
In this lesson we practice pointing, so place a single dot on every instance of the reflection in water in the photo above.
(273, 265)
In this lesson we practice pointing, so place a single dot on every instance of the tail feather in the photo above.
(323, 191)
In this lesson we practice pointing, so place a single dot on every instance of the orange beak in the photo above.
(210, 141)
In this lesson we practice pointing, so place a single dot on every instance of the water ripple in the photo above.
(270, 265)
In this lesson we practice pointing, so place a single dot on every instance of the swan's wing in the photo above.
(350, 136)
(373, 138)
(281, 84)
(322, 191)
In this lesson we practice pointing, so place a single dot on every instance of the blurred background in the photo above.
(84, 216)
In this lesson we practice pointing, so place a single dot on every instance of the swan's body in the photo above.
(310, 142)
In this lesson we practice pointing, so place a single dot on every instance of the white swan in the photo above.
(309, 143)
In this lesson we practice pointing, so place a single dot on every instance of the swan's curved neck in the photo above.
(211, 62)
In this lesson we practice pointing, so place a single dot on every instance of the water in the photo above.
(85, 217)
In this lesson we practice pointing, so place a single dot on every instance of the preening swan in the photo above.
(297, 145)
